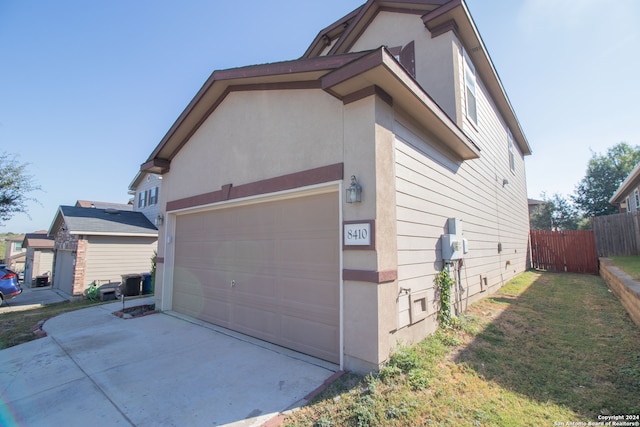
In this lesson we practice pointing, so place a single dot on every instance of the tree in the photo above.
(556, 213)
(605, 173)
(15, 184)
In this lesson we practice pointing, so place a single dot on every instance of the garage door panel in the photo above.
(295, 333)
(284, 257)
(321, 293)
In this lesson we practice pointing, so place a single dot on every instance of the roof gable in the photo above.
(438, 16)
(342, 74)
(38, 240)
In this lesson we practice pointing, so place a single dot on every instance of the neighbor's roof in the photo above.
(631, 182)
(103, 205)
(105, 222)
(39, 240)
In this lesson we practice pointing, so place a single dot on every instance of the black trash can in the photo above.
(42, 281)
(146, 283)
(131, 284)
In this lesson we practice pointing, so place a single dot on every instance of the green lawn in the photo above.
(629, 264)
(17, 327)
(548, 348)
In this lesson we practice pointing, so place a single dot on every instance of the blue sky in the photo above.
(88, 88)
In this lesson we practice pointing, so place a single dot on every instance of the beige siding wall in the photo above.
(148, 182)
(432, 187)
(43, 263)
(108, 258)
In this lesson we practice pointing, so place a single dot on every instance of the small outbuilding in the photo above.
(39, 260)
(94, 245)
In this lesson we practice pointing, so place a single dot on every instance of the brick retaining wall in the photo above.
(623, 286)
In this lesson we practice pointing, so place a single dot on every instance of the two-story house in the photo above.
(311, 203)
(145, 189)
(15, 254)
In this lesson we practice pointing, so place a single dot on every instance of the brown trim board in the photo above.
(271, 185)
(367, 92)
(370, 276)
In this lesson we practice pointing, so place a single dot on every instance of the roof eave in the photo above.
(381, 69)
(216, 88)
(631, 181)
(467, 31)
(108, 233)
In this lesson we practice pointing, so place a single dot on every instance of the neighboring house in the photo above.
(627, 197)
(99, 245)
(39, 256)
(145, 189)
(15, 254)
(259, 235)
(534, 204)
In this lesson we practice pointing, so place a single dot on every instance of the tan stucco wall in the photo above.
(434, 71)
(257, 135)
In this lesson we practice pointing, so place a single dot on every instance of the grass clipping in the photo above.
(549, 348)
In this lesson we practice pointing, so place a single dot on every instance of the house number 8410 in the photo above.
(357, 234)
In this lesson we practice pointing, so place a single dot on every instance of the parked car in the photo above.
(9, 286)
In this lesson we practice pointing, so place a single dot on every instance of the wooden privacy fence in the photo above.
(617, 234)
(571, 251)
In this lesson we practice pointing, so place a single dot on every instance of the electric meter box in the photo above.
(452, 247)
(455, 226)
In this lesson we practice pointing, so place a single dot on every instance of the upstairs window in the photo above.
(142, 199)
(153, 196)
(512, 152)
(636, 196)
(470, 89)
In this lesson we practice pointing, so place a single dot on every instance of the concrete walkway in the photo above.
(31, 298)
(97, 369)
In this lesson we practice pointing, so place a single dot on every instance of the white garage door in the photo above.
(269, 270)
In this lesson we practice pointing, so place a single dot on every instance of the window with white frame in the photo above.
(470, 89)
(512, 152)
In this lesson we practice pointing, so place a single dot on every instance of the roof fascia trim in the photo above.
(630, 182)
(263, 70)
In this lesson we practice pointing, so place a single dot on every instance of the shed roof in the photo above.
(38, 240)
(106, 222)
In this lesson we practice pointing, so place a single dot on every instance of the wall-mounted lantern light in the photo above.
(505, 181)
(159, 220)
(354, 192)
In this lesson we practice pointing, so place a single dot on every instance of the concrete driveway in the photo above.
(162, 369)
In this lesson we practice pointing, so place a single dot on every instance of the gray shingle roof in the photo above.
(106, 221)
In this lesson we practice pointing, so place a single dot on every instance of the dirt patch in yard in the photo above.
(137, 311)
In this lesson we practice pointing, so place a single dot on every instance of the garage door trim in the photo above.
(335, 187)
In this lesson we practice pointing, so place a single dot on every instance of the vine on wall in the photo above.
(444, 283)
